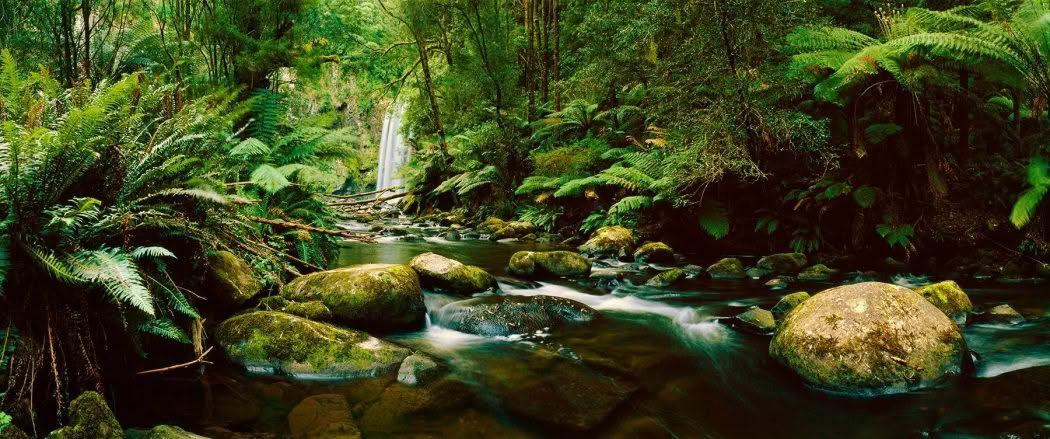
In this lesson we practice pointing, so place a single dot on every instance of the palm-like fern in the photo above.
(1039, 184)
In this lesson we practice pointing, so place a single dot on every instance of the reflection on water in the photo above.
(658, 364)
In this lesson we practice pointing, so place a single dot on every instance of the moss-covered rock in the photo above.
(867, 339)
(554, 263)
(12, 432)
(667, 278)
(657, 252)
(507, 315)
(374, 296)
(777, 283)
(788, 303)
(568, 397)
(313, 310)
(419, 369)
(756, 319)
(451, 235)
(613, 241)
(279, 343)
(783, 263)
(491, 225)
(514, 229)
(231, 279)
(90, 418)
(323, 416)
(1003, 314)
(449, 275)
(818, 273)
(948, 297)
(728, 268)
(162, 432)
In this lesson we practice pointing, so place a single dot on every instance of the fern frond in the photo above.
(714, 219)
(269, 179)
(152, 252)
(117, 274)
(631, 204)
(166, 329)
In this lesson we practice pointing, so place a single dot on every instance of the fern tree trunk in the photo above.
(557, 56)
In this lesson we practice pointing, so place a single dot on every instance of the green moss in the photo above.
(783, 263)
(375, 296)
(315, 310)
(610, 241)
(439, 272)
(728, 268)
(232, 278)
(788, 303)
(654, 252)
(948, 297)
(514, 229)
(90, 418)
(757, 319)
(818, 272)
(563, 263)
(667, 278)
(491, 225)
(522, 263)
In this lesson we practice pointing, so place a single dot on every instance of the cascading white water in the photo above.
(393, 151)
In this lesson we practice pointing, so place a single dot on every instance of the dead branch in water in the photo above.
(300, 226)
(358, 203)
(200, 360)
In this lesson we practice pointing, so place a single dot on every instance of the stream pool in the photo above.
(658, 364)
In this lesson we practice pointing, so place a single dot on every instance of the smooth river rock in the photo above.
(451, 276)
(554, 263)
(612, 241)
(657, 252)
(783, 263)
(868, 339)
(274, 342)
(788, 303)
(370, 297)
(948, 297)
(666, 279)
(728, 268)
(323, 416)
(507, 315)
(231, 278)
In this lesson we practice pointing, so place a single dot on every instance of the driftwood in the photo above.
(200, 360)
(358, 203)
(300, 226)
(353, 196)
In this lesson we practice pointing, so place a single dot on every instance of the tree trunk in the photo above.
(557, 57)
(546, 50)
(68, 56)
(434, 109)
(85, 11)
(530, 58)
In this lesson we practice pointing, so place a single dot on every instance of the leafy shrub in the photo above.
(573, 160)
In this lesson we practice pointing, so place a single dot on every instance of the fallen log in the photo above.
(360, 202)
(353, 196)
(309, 228)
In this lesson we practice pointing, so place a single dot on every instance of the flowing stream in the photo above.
(687, 374)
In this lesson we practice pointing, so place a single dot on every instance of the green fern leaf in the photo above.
(631, 204)
(269, 179)
(166, 329)
(152, 252)
(250, 147)
(865, 196)
(714, 219)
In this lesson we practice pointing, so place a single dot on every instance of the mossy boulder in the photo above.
(783, 263)
(666, 279)
(514, 229)
(818, 273)
(419, 369)
(162, 432)
(948, 297)
(313, 310)
(612, 241)
(756, 320)
(508, 315)
(449, 275)
(728, 268)
(90, 418)
(231, 279)
(323, 416)
(777, 283)
(657, 252)
(1003, 314)
(370, 297)
(554, 263)
(273, 342)
(868, 339)
(788, 303)
(12, 432)
(491, 225)
(568, 396)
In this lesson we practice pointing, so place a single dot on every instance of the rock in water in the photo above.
(613, 241)
(276, 342)
(657, 252)
(949, 298)
(556, 263)
(667, 278)
(323, 416)
(728, 268)
(419, 369)
(374, 296)
(783, 263)
(513, 229)
(232, 278)
(756, 319)
(162, 432)
(570, 396)
(869, 338)
(90, 418)
(818, 273)
(449, 275)
(507, 315)
(491, 225)
(788, 303)
(1003, 314)
(451, 235)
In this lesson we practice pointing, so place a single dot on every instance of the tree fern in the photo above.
(166, 329)
(628, 178)
(269, 178)
(631, 204)
(1039, 181)
(714, 219)
(117, 274)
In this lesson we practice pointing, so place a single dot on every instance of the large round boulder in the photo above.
(513, 229)
(868, 339)
(948, 297)
(231, 278)
(612, 241)
(554, 263)
(273, 342)
(370, 297)
(449, 275)
(508, 315)
(783, 263)
(657, 252)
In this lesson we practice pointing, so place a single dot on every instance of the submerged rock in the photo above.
(1003, 314)
(436, 271)
(451, 235)
(569, 396)
(613, 241)
(555, 263)
(788, 303)
(514, 229)
(419, 369)
(818, 273)
(948, 297)
(778, 283)
(783, 263)
(231, 278)
(657, 252)
(374, 296)
(667, 278)
(756, 319)
(869, 338)
(276, 342)
(90, 418)
(507, 315)
(161, 432)
(693, 270)
(323, 416)
(757, 273)
(728, 268)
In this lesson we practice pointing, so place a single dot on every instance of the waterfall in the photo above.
(393, 152)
